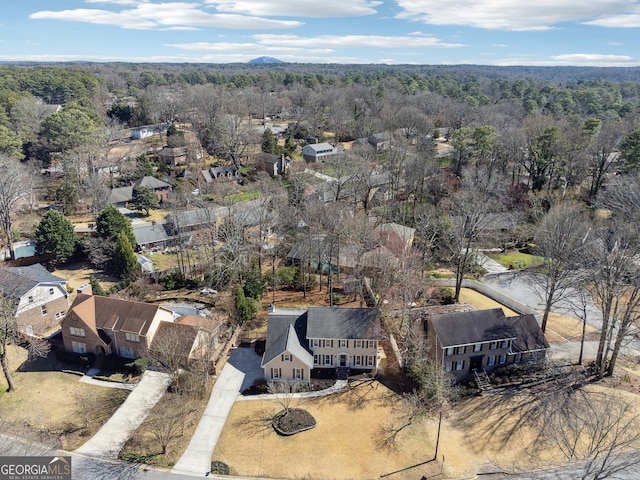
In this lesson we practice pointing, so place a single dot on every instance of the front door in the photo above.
(343, 360)
(475, 363)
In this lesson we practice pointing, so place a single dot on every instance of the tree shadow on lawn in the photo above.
(358, 394)
(255, 424)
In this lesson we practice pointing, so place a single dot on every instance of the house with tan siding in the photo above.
(320, 338)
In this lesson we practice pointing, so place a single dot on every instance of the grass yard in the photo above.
(54, 404)
(481, 302)
(78, 274)
(517, 260)
(346, 443)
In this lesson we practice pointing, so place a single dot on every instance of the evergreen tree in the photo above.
(254, 284)
(125, 261)
(55, 235)
(269, 142)
(243, 309)
(144, 199)
(110, 222)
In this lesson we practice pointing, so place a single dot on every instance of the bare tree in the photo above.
(596, 428)
(561, 238)
(284, 393)
(15, 187)
(167, 422)
(8, 332)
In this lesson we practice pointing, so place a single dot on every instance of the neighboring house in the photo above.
(122, 196)
(318, 152)
(105, 326)
(272, 164)
(483, 340)
(173, 156)
(148, 131)
(41, 299)
(200, 223)
(227, 171)
(145, 264)
(395, 237)
(150, 235)
(379, 141)
(339, 339)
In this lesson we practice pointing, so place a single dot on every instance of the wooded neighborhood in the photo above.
(436, 235)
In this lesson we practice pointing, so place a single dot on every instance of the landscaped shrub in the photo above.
(138, 366)
(336, 298)
(81, 359)
(173, 281)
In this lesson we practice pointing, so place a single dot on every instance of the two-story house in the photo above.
(41, 298)
(483, 340)
(104, 326)
(339, 339)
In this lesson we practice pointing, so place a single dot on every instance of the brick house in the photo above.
(41, 298)
(104, 326)
(483, 340)
(340, 339)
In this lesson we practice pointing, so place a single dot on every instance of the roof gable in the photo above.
(16, 281)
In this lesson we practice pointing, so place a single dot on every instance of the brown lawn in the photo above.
(344, 444)
(481, 302)
(78, 274)
(54, 405)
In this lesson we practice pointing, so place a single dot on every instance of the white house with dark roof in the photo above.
(41, 299)
(465, 342)
(340, 339)
(318, 152)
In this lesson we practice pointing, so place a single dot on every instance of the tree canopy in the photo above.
(55, 235)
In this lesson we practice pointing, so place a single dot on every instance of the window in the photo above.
(373, 344)
(76, 332)
(493, 345)
(491, 360)
(131, 337)
(459, 365)
(518, 358)
(29, 330)
(328, 360)
(504, 344)
(315, 342)
(297, 374)
(357, 360)
(286, 357)
(343, 343)
(371, 361)
(51, 291)
(358, 344)
(316, 359)
(447, 366)
(477, 347)
(460, 350)
(30, 298)
(127, 352)
(78, 347)
(502, 359)
(449, 351)
(275, 373)
(43, 309)
(59, 315)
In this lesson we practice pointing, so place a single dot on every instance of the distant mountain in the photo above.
(265, 60)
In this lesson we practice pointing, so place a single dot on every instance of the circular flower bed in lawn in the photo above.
(292, 421)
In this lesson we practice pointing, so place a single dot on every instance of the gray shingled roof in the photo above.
(121, 195)
(343, 323)
(148, 233)
(286, 332)
(16, 281)
(151, 182)
(465, 328)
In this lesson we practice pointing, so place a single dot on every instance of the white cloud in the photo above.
(514, 14)
(355, 41)
(173, 15)
(629, 19)
(117, 2)
(500, 45)
(249, 48)
(298, 8)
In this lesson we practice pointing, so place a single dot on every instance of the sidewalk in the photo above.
(88, 378)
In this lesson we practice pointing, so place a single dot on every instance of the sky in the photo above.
(484, 32)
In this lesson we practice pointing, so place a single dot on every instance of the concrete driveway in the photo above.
(238, 374)
(108, 441)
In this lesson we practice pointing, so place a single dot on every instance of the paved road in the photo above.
(108, 441)
(238, 374)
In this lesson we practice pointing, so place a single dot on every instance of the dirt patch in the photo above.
(79, 273)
